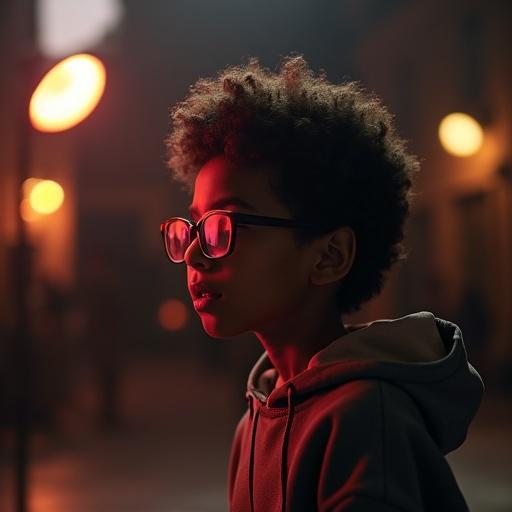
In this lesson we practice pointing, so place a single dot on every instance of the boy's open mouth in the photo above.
(204, 302)
(202, 290)
(208, 295)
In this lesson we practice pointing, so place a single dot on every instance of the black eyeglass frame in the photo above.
(236, 218)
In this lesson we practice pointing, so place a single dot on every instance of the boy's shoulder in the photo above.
(364, 400)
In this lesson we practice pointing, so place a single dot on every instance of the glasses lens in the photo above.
(217, 234)
(177, 239)
(217, 237)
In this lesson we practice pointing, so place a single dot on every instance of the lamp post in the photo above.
(65, 96)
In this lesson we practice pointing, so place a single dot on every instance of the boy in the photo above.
(300, 193)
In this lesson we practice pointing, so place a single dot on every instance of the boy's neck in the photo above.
(305, 355)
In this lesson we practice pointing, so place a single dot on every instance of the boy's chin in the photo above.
(216, 328)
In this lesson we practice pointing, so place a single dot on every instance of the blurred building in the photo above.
(428, 59)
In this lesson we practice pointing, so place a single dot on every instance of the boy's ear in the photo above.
(334, 255)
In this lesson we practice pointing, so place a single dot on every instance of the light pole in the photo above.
(65, 96)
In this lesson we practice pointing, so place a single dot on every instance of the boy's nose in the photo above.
(194, 256)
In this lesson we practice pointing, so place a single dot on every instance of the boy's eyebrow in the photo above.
(223, 201)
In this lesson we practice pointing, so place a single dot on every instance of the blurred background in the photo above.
(112, 398)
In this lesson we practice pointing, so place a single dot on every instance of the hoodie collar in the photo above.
(412, 338)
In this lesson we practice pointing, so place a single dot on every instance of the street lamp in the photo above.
(68, 93)
(460, 134)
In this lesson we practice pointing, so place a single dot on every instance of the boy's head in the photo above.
(294, 146)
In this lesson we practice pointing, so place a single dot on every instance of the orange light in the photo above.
(460, 134)
(46, 197)
(172, 315)
(68, 93)
(28, 214)
(29, 184)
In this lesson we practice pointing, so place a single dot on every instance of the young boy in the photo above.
(301, 190)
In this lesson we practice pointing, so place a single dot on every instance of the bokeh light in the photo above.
(172, 315)
(460, 134)
(68, 93)
(46, 197)
(28, 214)
(29, 184)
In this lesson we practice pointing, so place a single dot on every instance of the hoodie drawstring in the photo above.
(284, 448)
(251, 459)
(284, 451)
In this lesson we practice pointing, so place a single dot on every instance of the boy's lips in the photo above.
(198, 288)
(204, 303)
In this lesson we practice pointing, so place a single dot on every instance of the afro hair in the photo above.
(336, 158)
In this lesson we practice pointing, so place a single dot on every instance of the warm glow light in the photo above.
(460, 134)
(46, 197)
(27, 212)
(29, 184)
(172, 315)
(68, 93)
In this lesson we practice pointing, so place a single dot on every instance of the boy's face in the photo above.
(267, 275)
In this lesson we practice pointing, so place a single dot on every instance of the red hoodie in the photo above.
(364, 428)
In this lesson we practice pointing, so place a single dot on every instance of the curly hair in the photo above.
(335, 156)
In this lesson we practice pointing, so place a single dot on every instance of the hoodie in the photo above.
(365, 427)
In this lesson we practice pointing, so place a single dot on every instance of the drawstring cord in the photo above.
(251, 459)
(284, 452)
(284, 449)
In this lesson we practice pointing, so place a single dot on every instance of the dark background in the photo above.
(127, 415)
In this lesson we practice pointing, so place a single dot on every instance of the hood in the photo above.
(422, 354)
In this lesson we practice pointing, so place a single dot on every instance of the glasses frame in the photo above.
(236, 219)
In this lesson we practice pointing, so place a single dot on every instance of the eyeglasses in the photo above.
(217, 232)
